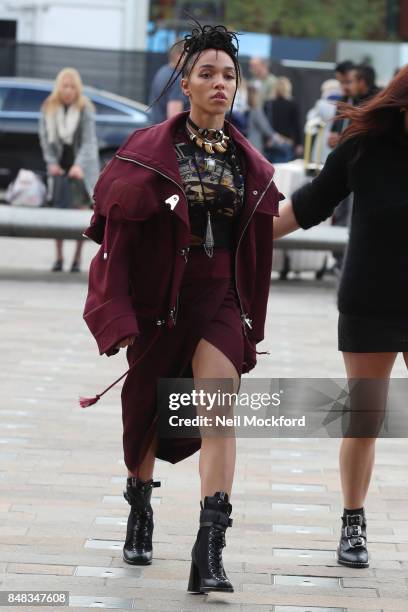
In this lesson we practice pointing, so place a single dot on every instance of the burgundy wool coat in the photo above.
(141, 222)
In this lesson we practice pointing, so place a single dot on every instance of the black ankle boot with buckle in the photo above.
(207, 571)
(138, 549)
(352, 549)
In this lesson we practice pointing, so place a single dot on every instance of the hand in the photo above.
(299, 151)
(125, 342)
(76, 172)
(278, 139)
(333, 139)
(55, 170)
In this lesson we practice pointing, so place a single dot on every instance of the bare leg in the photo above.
(147, 466)
(58, 244)
(217, 454)
(78, 252)
(360, 452)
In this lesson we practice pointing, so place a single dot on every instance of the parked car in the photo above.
(20, 102)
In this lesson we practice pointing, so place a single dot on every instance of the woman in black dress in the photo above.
(371, 161)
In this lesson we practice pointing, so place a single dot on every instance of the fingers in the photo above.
(125, 342)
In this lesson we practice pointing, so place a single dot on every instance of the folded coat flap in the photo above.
(120, 199)
(270, 202)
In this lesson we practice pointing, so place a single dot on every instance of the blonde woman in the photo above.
(69, 145)
(283, 115)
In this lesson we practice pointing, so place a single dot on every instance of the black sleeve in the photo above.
(316, 201)
(297, 131)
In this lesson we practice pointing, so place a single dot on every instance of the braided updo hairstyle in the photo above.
(201, 38)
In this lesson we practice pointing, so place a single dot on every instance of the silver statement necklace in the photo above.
(209, 147)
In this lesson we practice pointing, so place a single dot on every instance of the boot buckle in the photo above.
(353, 531)
(351, 520)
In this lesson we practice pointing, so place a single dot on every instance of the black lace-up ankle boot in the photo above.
(207, 571)
(138, 548)
(352, 549)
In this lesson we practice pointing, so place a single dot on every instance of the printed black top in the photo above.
(223, 192)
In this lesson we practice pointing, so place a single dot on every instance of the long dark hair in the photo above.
(201, 38)
(381, 113)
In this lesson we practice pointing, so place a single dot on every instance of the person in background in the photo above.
(324, 111)
(239, 115)
(174, 101)
(362, 83)
(69, 144)
(283, 116)
(259, 68)
(260, 133)
(342, 74)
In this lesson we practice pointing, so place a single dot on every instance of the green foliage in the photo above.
(333, 19)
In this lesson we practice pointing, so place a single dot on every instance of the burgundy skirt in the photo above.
(208, 308)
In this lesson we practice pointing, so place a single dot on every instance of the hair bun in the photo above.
(211, 37)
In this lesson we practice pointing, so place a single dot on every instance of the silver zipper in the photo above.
(244, 316)
(154, 170)
(173, 311)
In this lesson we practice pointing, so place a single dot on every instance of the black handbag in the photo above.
(67, 192)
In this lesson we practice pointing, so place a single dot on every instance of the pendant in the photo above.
(209, 164)
(209, 238)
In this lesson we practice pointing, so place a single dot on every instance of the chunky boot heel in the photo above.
(352, 549)
(194, 580)
(138, 549)
(207, 570)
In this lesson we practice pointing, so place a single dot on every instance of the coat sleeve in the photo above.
(316, 201)
(262, 124)
(108, 309)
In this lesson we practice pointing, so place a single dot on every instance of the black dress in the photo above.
(372, 296)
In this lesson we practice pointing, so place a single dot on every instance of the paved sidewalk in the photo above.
(62, 514)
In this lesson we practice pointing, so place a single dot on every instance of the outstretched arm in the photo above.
(286, 222)
(316, 201)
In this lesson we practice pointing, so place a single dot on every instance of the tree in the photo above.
(358, 19)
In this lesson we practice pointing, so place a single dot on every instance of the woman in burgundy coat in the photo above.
(184, 215)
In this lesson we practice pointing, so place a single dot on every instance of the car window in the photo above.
(26, 100)
(106, 109)
(3, 94)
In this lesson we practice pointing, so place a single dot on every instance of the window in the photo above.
(3, 94)
(24, 100)
(105, 109)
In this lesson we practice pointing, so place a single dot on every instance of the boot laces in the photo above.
(216, 542)
(142, 530)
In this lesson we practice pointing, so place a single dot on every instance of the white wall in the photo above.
(385, 57)
(107, 24)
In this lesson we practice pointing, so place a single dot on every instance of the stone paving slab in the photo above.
(62, 472)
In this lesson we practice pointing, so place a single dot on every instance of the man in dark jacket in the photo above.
(361, 83)
(173, 101)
